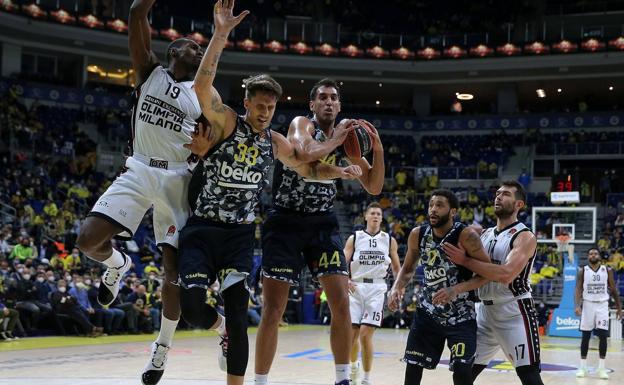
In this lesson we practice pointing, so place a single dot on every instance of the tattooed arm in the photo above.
(222, 118)
(285, 152)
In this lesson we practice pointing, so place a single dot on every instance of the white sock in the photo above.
(116, 259)
(342, 372)
(167, 329)
(354, 365)
(221, 328)
(261, 379)
(601, 363)
(583, 363)
(366, 376)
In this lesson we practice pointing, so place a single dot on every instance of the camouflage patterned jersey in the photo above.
(296, 193)
(225, 187)
(440, 272)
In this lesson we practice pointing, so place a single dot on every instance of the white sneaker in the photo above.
(581, 373)
(223, 353)
(155, 368)
(355, 371)
(602, 374)
(109, 288)
(366, 382)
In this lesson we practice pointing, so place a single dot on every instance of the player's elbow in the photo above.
(374, 190)
(506, 277)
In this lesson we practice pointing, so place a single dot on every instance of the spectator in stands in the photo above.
(524, 179)
(24, 291)
(80, 291)
(151, 283)
(148, 318)
(617, 243)
(619, 222)
(65, 304)
(73, 262)
(8, 319)
(22, 250)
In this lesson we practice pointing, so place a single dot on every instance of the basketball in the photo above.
(358, 143)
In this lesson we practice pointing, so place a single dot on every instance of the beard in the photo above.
(504, 212)
(594, 261)
(442, 221)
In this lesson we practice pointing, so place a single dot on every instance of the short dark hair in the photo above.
(176, 44)
(449, 195)
(262, 83)
(594, 247)
(374, 205)
(327, 82)
(520, 194)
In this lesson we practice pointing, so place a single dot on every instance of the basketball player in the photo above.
(156, 174)
(434, 323)
(593, 283)
(506, 316)
(237, 153)
(368, 253)
(302, 228)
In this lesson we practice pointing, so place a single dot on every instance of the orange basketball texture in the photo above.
(358, 143)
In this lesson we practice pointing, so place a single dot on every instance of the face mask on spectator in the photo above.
(62, 289)
(40, 279)
(97, 284)
(26, 276)
(88, 282)
(152, 277)
(51, 278)
(68, 278)
(20, 270)
(152, 263)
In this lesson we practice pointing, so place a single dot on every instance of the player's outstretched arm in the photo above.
(615, 294)
(578, 292)
(308, 149)
(286, 153)
(407, 270)
(372, 178)
(222, 118)
(140, 39)
(523, 249)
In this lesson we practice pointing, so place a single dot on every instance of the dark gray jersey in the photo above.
(296, 193)
(441, 272)
(226, 185)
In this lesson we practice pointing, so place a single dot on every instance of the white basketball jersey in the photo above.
(498, 245)
(371, 255)
(595, 284)
(164, 116)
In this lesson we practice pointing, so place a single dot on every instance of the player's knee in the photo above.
(366, 332)
(88, 240)
(236, 299)
(529, 374)
(194, 309)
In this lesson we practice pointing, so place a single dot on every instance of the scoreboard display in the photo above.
(564, 183)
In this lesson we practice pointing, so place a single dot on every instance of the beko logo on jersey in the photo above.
(435, 275)
(245, 175)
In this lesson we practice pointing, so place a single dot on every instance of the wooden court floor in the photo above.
(304, 358)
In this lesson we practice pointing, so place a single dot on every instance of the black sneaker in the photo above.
(109, 287)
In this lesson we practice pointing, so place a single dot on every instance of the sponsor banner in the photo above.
(564, 322)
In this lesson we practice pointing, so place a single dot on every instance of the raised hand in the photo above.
(456, 254)
(372, 131)
(224, 18)
(342, 129)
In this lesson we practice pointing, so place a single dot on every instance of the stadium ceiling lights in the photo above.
(464, 96)
(540, 93)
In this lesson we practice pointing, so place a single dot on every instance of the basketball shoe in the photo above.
(155, 368)
(109, 288)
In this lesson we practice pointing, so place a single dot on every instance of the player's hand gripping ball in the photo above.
(358, 142)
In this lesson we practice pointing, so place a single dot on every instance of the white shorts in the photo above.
(511, 326)
(366, 303)
(595, 315)
(140, 187)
